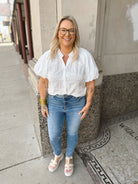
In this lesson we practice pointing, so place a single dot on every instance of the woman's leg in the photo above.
(73, 120)
(72, 123)
(55, 124)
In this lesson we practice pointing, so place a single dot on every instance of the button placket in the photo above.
(65, 66)
(65, 74)
(64, 80)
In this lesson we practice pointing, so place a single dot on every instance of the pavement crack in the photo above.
(20, 163)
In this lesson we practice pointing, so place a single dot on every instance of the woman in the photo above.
(67, 79)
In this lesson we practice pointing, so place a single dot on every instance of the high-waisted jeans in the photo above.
(61, 107)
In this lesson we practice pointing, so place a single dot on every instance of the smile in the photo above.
(67, 39)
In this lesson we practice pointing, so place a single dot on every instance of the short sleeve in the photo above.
(91, 70)
(40, 67)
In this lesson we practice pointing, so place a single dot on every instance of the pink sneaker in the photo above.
(55, 162)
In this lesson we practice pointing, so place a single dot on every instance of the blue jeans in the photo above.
(61, 107)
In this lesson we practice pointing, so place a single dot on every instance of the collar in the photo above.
(60, 54)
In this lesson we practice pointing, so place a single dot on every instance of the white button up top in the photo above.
(67, 79)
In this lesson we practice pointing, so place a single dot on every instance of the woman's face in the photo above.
(66, 34)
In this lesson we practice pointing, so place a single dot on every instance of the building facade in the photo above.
(109, 30)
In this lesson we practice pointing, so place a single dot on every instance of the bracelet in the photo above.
(43, 102)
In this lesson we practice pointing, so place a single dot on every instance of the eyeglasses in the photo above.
(63, 31)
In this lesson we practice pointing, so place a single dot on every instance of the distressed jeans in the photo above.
(61, 107)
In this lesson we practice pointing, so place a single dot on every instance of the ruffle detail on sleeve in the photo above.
(40, 67)
(91, 77)
(91, 70)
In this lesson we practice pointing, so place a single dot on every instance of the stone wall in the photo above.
(120, 95)
(120, 42)
(44, 20)
(36, 31)
(119, 58)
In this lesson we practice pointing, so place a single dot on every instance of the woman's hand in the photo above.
(44, 111)
(90, 87)
(84, 111)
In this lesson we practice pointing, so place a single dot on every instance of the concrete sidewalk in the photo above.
(21, 161)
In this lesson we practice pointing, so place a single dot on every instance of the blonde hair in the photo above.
(55, 45)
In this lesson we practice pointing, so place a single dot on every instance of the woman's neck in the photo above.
(65, 51)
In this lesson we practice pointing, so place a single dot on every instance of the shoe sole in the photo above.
(68, 174)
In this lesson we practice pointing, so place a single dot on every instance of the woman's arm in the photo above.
(43, 87)
(90, 88)
(43, 90)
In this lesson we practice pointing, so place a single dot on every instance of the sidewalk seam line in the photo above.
(20, 163)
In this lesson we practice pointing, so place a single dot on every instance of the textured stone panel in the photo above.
(120, 95)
